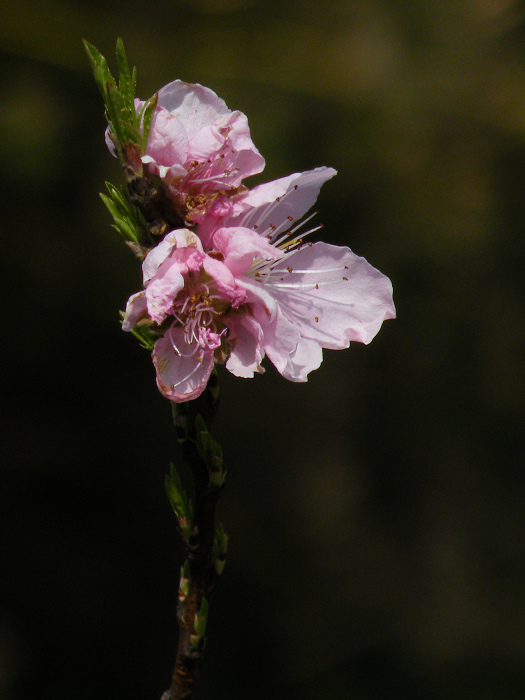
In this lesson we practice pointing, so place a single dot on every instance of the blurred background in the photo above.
(376, 513)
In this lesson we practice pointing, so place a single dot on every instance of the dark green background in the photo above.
(376, 513)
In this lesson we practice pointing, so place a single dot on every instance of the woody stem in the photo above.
(199, 576)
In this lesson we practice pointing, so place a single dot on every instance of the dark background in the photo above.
(376, 513)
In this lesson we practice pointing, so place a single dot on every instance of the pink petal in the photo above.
(280, 339)
(240, 247)
(248, 161)
(203, 130)
(246, 339)
(136, 310)
(168, 142)
(181, 377)
(331, 295)
(194, 105)
(162, 290)
(259, 299)
(228, 141)
(109, 142)
(180, 238)
(306, 357)
(225, 281)
(273, 207)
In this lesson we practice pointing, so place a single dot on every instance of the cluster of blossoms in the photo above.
(235, 275)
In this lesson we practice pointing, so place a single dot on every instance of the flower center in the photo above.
(198, 309)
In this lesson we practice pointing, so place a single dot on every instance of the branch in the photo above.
(206, 545)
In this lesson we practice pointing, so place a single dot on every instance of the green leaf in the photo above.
(145, 335)
(100, 68)
(115, 109)
(118, 98)
(146, 115)
(128, 218)
(117, 195)
(126, 79)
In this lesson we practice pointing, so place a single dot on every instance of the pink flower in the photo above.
(249, 285)
(187, 294)
(198, 147)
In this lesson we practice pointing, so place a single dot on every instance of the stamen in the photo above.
(265, 211)
(211, 178)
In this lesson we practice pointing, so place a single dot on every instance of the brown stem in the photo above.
(202, 576)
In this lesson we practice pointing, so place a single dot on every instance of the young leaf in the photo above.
(210, 452)
(115, 109)
(99, 66)
(145, 336)
(129, 221)
(146, 116)
(119, 100)
(179, 502)
(201, 618)
(126, 86)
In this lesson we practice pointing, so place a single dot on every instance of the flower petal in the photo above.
(240, 247)
(280, 339)
(179, 238)
(271, 208)
(331, 295)
(246, 339)
(306, 357)
(225, 281)
(194, 105)
(168, 142)
(162, 290)
(247, 160)
(136, 310)
(181, 377)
